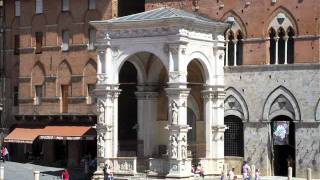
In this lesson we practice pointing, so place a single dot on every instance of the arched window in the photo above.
(230, 52)
(234, 43)
(281, 35)
(272, 48)
(239, 48)
(281, 46)
(233, 136)
(290, 46)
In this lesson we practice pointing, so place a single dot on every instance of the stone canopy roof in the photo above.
(161, 14)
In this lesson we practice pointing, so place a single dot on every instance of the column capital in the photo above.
(214, 92)
(105, 91)
(235, 41)
(276, 38)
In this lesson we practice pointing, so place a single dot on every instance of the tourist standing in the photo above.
(231, 174)
(257, 175)
(245, 171)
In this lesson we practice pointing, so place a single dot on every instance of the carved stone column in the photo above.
(179, 165)
(147, 117)
(107, 113)
(277, 49)
(214, 118)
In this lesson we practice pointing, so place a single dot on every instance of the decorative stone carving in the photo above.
(174, 112)
(174, 147)
(100, 143)
(102, 78)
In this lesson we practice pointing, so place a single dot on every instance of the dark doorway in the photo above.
(128, 7)
(192, 134)
(284, 155)
(127, 112)
(233, 136)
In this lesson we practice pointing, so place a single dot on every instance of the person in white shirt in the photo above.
(231, 174)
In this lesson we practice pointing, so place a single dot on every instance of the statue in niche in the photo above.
(174, 112)
(100, 106)
(184, 151)
(174, 147)
(100, 143)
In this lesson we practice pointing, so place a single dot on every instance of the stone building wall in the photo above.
(256, 84)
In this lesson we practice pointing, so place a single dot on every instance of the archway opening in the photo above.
(127, 111)
(283, 138)
(233, 136)
(195, 117)
(272, 46)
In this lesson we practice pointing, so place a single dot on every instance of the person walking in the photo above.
(245, 171)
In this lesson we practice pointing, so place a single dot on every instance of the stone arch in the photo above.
(234, 104)
(281, 102)
(288, 21)
(128, 54)
(317, 111)
(238, 23)
(64, 72)
(205, 64)
(156, 67)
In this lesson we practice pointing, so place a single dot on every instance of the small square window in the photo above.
(65, 40)
(65, 5)
(16, 44)
(39, 6)
(92, 4)
(39, 39)
(17, 8)
(92, 39)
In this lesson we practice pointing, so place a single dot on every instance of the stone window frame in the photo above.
(234, 37)
(281, 34)
(17, 9)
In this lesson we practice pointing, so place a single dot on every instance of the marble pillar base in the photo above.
(98, 175)
(212, 166)
(179, 168)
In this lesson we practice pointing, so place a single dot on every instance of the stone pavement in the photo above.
(24, 171)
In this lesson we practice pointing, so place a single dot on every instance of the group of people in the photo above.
(197, 171)
(245, 170)
(4, 154)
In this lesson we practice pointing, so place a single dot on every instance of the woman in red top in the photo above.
(65, 175)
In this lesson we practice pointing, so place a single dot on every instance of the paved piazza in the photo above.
(24, 171)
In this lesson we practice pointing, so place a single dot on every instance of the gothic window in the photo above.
(233, 136)
(239, 51)
(272, 48)
(38, 94)
(281, 46)
(281, 34)
(39, 6)
(234, 44)
(290, 46)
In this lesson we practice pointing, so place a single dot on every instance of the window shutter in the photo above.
(92, 38)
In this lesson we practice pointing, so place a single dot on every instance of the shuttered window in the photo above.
(17, 8)
(39, 39)
(65, 40)
(65, 5)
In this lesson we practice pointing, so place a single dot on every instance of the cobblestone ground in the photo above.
(24, 171)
